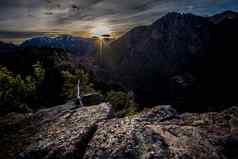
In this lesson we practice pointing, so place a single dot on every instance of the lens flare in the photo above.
(100, 31)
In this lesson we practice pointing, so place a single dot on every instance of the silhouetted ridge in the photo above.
(180, 58)
(228, 15)
(7, 47)
(75, 45)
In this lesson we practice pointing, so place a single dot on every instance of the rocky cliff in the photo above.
(70, 132)
(186, 57)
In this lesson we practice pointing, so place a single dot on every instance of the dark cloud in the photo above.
(44, 16)
(24, 35)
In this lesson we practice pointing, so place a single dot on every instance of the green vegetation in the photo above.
(123, 104)
(70, 82)
(18, 92)
(36, 78)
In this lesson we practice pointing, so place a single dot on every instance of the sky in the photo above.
(24, 19)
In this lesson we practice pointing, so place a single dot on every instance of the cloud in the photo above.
(23, 34)
(68, 16)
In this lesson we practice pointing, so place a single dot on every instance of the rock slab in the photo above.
(162, 134)
(58, 132)
(70, 132)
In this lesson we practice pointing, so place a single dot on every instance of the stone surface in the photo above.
(92, 99)
(127, 137)
(155, 134)
(58, 132)
(70, 132)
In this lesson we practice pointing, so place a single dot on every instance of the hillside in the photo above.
(34, 76)
(181, 58)
(162, 91)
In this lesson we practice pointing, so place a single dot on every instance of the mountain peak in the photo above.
(7, 47)
(64, 37)
(224, 15)
(75, 45)
(175, 18)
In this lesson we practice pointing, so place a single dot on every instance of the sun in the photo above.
(100, 31)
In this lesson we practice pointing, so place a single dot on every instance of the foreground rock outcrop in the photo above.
(70, 132)
(161, 133)
(58, 132)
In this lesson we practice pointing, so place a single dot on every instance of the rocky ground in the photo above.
(68, 132)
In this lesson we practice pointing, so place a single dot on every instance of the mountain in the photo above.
(8, 53)
(229, 15)
(7, 47)
(180, 58)
(53, 62)
(75, 45)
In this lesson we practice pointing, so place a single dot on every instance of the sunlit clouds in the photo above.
(93, 17)
(100, 30)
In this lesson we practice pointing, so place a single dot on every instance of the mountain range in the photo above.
(7, 47)
(75, 45)
(180, 57)
(182, 65)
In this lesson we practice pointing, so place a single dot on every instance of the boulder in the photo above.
(70, 132)
(130, 137)
(58, 132)
(161, 133)
(92, 99)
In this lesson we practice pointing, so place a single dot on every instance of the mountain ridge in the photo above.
(177, 46)
(76, 45)
(179, 54)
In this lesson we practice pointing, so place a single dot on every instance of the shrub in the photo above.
(17, 92)
(70, 83)
(123, 104)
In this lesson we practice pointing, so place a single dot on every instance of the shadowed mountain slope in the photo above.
(180, 58)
